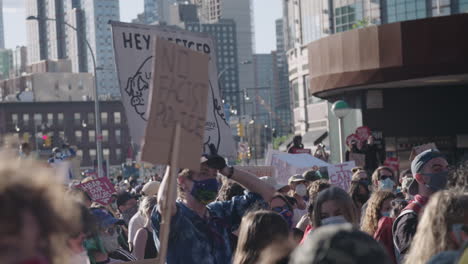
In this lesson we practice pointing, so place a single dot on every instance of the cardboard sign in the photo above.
(359, 159)
(258, 171)
(100, 190)
(301, 151)
(393, 163)
(363, 133)
(419, 149)
(340, 174)
(143, 261)
(134, 54)
(180, 92)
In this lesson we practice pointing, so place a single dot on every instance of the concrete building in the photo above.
(20, 61)
(71, 122)
(241, 12)
(156, 11)
(6, 63)
(319, 75)
(2, 30)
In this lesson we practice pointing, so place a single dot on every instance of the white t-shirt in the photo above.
(136, 222)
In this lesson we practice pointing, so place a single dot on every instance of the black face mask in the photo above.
(362, 198)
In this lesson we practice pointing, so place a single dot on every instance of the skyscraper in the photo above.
(2, 32)
(156, 11)
(281, 98)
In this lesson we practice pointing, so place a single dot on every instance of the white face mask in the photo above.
(80, 258)
(301, 189)
(386, 185)
(334, 220)
(110, 243)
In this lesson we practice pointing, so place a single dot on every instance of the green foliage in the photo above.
(362, 23)
(279, 140)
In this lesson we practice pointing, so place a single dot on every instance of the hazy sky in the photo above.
(265, 14)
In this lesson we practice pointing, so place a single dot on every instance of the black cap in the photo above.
(123, 197)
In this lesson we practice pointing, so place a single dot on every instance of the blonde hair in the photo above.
(444, 209)
(27, 186)
(376, 174)
(372, 215)
(147, 205)
(258, 230)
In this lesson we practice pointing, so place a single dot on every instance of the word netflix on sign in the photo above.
(179, 95)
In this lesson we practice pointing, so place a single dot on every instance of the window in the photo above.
(91, 136)
(117, 118)
(104, 117)
(25, 119)
(14, 119)
(92, 154)
(77, 119)
(118, 136)
(90, 118)
(78, 136)
(295, 87)
(62, 135)
(118, 154)
(105, 135)
(79, 153)
(105, 153)
(50, 119)
(60, 119)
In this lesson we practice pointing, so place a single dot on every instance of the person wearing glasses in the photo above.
(383, 179)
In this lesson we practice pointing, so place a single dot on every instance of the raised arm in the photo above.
(164, 193)
(250, 181)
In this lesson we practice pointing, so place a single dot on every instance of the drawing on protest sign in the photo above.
(100, 190)
(258, 171)
(133, 49)
(340, 174)
(179, 95)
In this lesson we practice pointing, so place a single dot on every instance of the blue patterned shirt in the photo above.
(197, 240)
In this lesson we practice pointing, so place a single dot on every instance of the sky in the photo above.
(265, 14)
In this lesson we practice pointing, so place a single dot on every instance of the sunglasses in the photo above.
(384, 177)
(112, 230)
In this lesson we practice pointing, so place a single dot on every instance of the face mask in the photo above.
(438, 180)
(128, 214)
(386, 185)
(80, 258)
(285, 213)
(386, 214)
(205, 191)
(334, 220)
(362, 198)
(110, 242)
(365, 182)
(301, 189)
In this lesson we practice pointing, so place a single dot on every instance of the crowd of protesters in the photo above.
(224, 214)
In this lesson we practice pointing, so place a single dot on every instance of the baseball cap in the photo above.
(104, 218)
(123, 197)
(296, 178)
(272, 182)
(150, 188)
(418, 163)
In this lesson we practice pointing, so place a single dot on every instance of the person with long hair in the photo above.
(144, 246)
(383, 178)
(334, 206)
(439, 227)
(377, 222)
(258, 230)
(359, 193)
(283, 205)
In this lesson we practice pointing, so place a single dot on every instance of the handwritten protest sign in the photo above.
(301, 151)
(134, 48)
(340, 174)
(100, 190)
(179, 95)
(258, 171)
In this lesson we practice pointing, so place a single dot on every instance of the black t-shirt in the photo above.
(404, 231)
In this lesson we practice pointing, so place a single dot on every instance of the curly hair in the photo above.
(371, 218)
(29, 190)
(376, 174)
(229, 189)
(433, 234)
(314, 189)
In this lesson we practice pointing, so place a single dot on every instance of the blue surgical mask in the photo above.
(205, 191)
(386, 214)
(334, 220)
(438, 180)
(386, 185)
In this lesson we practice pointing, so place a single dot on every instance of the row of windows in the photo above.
(58, 118)
(78, 136)
(91, 153)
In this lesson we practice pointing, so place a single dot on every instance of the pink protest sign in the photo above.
(100, 190)
(340, 174)
(393, 163)
(363, 133)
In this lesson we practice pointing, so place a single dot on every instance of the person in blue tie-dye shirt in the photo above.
(200, 228)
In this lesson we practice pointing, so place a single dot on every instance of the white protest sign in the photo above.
(133, 48)
(340, 174)
(289, 164)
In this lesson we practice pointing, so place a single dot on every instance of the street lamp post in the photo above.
(340, 109)
(96, 98)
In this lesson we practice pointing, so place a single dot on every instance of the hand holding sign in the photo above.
(100, 190)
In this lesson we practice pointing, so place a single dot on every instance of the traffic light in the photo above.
(249, 153)
(47, 141)
(240, 130)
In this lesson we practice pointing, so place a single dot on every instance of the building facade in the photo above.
(20, 61)
(69, 122)
(6, 63)
(2, 30)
